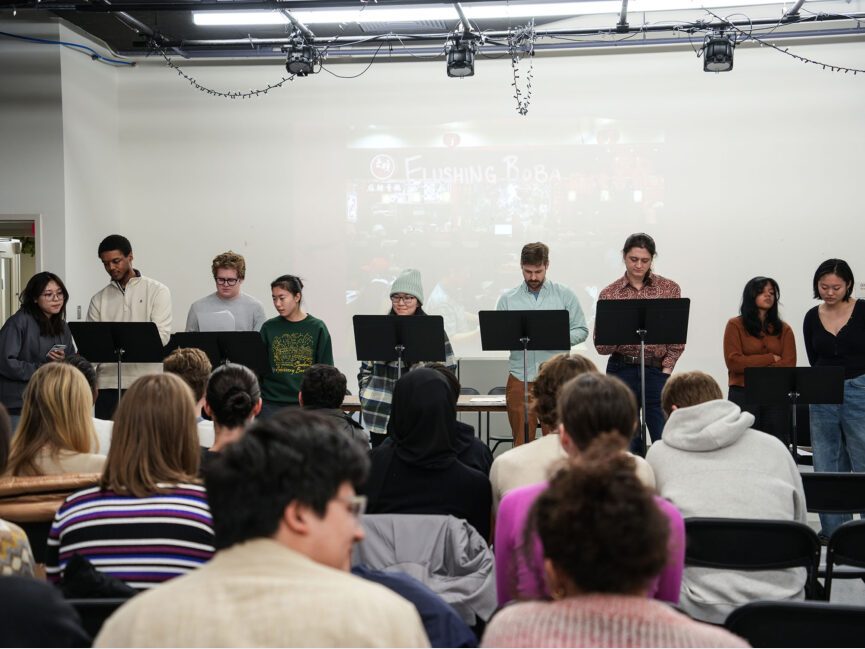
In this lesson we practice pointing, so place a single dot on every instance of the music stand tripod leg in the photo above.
(525, 342)
(642, 333)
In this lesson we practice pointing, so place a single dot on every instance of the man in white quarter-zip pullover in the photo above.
(129, 297)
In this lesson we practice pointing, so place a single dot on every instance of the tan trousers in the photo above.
(516, 408)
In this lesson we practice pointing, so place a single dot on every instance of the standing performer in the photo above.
(759, 338)
(640, 283)
(536, 292)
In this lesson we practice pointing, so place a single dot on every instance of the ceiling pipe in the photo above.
(793, 13)
(622, 25)
(306, 31)
(465, 21)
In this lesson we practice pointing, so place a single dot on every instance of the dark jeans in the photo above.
(655, 381)
(774, 420)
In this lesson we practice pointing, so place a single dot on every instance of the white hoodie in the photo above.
(711, 463)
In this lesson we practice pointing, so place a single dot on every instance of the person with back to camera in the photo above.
(757, 337)
(641, 283)
(323, 391)
(36, 334)
(835, 335)
(536, 292)
(376, 379)
(295, 341)
(227, 309)
(605, 541)
(232, 401)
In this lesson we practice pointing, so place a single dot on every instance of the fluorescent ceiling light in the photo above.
(415, 13)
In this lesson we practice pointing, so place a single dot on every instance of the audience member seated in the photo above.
(322, 390)
(55, 433)
(148, 521)
(532, 463)
(605, 541)
(443, 626)
(193, 366)
(416, 470)
(16, 557)
(103, 427)
(232, 401)
(592, 407)
(711, 463)
(34, 614)
(286, 516)
(470, 450)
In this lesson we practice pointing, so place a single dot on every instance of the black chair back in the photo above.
(746, 544)
(798, 624)
(834, 493)
(94, 612)
(37, 534)
(846, 547)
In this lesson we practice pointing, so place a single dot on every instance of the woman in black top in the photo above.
(835, 335)
(416, 470)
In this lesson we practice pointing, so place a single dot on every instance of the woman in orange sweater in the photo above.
(759, 338)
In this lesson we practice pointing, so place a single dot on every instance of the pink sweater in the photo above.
(517, 578)
(601, 621)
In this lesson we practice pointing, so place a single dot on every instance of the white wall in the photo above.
(751, 172)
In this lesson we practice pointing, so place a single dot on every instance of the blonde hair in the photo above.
(55, 416)
(689, 389)
(230, 260)
(155, 437)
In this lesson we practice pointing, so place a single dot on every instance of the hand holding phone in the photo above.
(57, 353)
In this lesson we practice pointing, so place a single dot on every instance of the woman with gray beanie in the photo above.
(377, 378)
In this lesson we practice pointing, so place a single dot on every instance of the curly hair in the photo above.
(554, 373)
(232, 260)
(192, 365)
(599, 526)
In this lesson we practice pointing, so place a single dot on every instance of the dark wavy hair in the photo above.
(54, 325)
(751, 314)
(547, 388)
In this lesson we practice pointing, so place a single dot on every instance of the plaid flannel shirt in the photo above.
(376, 380)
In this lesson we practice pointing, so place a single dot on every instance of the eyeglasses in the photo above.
(356, 505)
(402, 299)
(52, 296)
(226, 281)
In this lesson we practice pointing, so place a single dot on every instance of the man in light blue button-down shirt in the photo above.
(536, 292)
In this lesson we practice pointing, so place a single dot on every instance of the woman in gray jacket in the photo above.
(35, 335)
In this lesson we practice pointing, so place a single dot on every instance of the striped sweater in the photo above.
(141, 541)
(601, 621)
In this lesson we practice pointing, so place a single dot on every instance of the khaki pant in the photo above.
(516, 407)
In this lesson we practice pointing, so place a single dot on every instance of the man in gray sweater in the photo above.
(711, 463)
(227, 309)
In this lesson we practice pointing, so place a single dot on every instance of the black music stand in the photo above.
(241, 347)
(118, 342)
(405, 339)
(525, 330)
(794, 386)
(642, 322)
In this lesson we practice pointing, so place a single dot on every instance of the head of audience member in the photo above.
(322, 386)
(290, 478)
(287, 294)
(422, 420)
(406, 293)
(637, 253)
(600, 528)
(55, 417)
(554, 373)
(229, 271)
(759, 308)
(155, 438)
(534, 262)
(232, 400)
(687, 389)
(86, 368)
(193, 366)
(45, 298)
(594, 404)
(833, 282)
(115, 252)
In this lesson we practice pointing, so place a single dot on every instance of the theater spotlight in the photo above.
(718, 53)
(302, 58)
(461, 56)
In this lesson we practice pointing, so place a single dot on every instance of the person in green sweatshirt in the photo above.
(295, 341)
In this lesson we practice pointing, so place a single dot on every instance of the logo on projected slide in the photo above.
(382, 166)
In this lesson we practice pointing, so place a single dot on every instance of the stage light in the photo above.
(302, 58)
(461, 56)
(718, 53)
